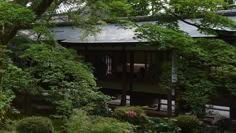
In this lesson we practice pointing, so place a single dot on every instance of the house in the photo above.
(123, 65)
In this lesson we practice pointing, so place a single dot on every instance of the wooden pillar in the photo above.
(124, 77)
(86, 53)
(131, 70)
(158, 62)
(145, 60)
(233, 109)
(169, 103)
(174, 79)
(233, 113)
(131, 81)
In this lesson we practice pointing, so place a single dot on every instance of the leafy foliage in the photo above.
(86, 14)
(5, 104)
(60, 73)
(81, 122)
(12, 15)
(204, 65)
(163, 126)
(140, 7)
(187, 123)
(197, 59)
(18, 80)
(6, 88)
(111, 125)
(134, 115)
(201, 13)
(35, 125)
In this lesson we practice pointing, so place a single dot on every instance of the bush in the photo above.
(158, 125)
(64, 76)
(134, 115)
(111, 125)
(35, 125)
(81, 122)
(188, 123)
(5, 104)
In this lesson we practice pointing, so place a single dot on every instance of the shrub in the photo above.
(64, 76)
(5, 103)
(35, 125)
(158, 125)
(81, 122)
(111, 125)
(188, 123)
(134, 115)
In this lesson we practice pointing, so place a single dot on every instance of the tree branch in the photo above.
(184, 20)
(42, 8)
(38, 10)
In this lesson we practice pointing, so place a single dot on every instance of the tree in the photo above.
(18, 14)
(140, 7)
(68, 80)
(205, 65)
(61, 74)
(196, 55)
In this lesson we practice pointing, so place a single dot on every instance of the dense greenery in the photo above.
(35, 125)
(12, 15)
(63, 75)
(46, 70)
(134, 115)
(137, 116)
(81, 122)
(205, 66)
(20, 14)
(188, 123)
(50, 71)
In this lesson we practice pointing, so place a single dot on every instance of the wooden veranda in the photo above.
(130, 69)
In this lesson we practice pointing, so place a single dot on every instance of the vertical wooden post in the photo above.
(151, 58)
(124, 77)
(233, 109)
(174, 80)
(145, 60)
(232, 112)
(169, 103)
(131, 70)
(86, 53)
(131, 75)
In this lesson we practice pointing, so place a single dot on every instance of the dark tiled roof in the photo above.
(112, 33)
(231, 12)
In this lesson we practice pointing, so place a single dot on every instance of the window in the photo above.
(109, 65)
